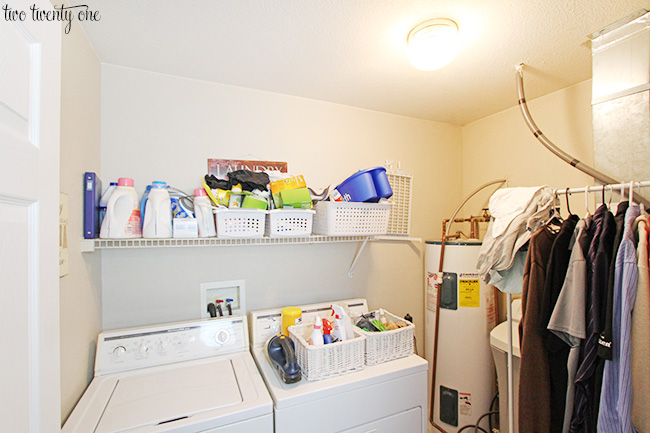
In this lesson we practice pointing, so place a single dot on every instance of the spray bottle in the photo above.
(343, 323)
(339, 327)
(327, 332)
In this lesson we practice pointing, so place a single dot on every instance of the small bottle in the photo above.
(327, 332)
(316, 338)
(290, 316)
(204, 214)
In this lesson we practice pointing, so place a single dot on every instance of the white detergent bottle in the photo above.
(103, 201)
(122, 220)
(316, 338)
(203, 213)
(158, 213)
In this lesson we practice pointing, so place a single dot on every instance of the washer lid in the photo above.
(156, 398)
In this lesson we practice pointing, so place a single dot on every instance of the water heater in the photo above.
(465, 373)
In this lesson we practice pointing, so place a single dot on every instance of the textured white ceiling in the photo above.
(353, 51)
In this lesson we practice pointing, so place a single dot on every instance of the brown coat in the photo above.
(534, 376)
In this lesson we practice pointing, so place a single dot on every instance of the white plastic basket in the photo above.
(329, 360)
(240, 223)
(388, 345)
(335, 218)
(281, 223)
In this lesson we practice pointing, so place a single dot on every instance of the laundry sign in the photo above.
(221, 167)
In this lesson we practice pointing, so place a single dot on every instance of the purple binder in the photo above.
(92, 194)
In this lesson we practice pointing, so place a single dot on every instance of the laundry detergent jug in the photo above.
(158, 212)
(122, 219)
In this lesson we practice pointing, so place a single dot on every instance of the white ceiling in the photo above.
(353, 51)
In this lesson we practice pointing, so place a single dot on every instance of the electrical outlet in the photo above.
(222, 290)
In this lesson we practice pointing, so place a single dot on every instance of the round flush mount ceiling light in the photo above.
(433, 44)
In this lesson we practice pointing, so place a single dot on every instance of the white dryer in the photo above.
(389, 397)
(183, 377)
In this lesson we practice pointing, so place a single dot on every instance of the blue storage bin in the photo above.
(369, 185)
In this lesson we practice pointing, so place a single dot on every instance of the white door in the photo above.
(30, 69)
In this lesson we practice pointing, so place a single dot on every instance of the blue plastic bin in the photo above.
(369, 185)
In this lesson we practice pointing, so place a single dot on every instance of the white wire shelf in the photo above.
(90, 245)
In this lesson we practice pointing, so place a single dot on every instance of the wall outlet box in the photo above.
(222, 290)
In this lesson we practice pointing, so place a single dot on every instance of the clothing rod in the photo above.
(598, 188)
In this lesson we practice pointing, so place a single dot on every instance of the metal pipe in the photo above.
(548, 143)
(597, 175)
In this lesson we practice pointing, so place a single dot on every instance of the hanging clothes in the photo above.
(568, 318)
(534, 383)
(587, 393)
(517, 213)
(557, 350)
(605, 339)
(641, 332)
(615, 409)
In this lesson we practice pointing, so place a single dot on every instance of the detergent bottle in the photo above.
(103, 201)
(203, 213)
(122, 220)
(158, 213)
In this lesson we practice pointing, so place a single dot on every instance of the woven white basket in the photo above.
(329, 360)
(282, 223)
(388, 345)
(336, 218)
(240, 223)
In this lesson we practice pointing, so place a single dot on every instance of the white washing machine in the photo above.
(389, 397)
(186, 377)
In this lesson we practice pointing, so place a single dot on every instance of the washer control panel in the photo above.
(150, 346)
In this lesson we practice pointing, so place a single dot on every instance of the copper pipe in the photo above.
(434, 361)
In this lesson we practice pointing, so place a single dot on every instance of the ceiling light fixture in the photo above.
(433, 44)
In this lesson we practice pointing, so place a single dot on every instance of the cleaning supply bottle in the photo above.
(122, 220)
(339, 329)
(158, 213)
(143, 201)
(290, 316)
(343, 322)
(103, 201)
(316, 337)
(203, 213)
(327, 332)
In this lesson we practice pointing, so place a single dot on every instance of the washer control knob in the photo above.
(144, 348)
(222, 336)
(119, 351)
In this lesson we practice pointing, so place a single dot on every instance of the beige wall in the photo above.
(501, 146)
(80, 304)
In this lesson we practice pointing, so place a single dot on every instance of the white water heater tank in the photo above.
(465, 373)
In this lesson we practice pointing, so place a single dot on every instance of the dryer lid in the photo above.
(156, 398)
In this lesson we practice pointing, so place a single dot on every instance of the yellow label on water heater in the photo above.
(469, 293)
